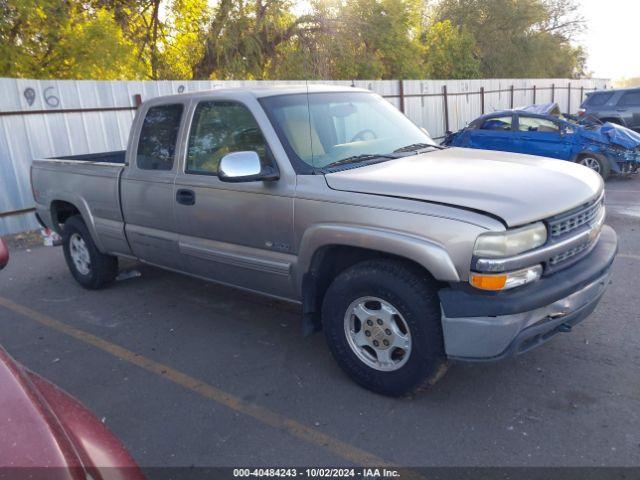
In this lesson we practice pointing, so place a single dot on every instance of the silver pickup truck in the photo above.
(405, 253)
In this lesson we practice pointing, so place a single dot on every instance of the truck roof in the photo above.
(266, 91)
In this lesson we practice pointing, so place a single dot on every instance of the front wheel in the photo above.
(383, 326)
(91, 268)
(596, 163)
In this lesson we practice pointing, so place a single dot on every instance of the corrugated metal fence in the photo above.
(46, 118)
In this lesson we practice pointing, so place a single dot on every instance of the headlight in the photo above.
(505, 281)
(510, 242)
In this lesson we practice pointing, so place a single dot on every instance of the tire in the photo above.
(91, 268)
(597, 163)
(412, 294)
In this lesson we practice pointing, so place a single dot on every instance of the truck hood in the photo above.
(519, 189)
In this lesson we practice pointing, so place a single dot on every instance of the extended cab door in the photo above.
(544, 137)
(235, 233)
(147, 185)
(494, 133)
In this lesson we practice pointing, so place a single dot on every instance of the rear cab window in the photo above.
(158, 137)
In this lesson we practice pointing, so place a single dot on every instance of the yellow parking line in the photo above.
(263, 415)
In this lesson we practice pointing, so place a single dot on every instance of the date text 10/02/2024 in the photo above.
(369, 473)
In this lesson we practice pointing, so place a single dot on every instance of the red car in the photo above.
(42, 426)
(4, 254)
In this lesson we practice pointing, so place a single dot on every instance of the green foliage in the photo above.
(450, 52)
(188, 21)
(273, 39)
(379, 39)
(244, 38)
(519, 38)
(52, 39)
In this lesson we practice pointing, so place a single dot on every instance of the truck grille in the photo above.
(568, 222)
(586, 216)
(561, 257)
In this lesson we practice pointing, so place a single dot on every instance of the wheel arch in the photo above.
(64, 207)
(613, 165)
(327, 250)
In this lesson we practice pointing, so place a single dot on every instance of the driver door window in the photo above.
(219, 128)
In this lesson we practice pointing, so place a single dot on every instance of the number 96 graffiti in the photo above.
(50, 98)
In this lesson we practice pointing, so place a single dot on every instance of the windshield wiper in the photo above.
(360, 158)
(417, 147)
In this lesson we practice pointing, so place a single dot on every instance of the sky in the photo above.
(611, 38)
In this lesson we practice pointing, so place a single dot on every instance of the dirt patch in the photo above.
(32, 238)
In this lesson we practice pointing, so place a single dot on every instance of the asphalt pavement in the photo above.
(188, 373)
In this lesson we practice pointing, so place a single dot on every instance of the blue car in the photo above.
(541, 130)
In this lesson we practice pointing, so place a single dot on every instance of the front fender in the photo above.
(431, 255)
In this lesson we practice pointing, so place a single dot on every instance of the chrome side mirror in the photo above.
(244, 167)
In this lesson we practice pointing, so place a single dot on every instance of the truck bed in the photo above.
(88, 182)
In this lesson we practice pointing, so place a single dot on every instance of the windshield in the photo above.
(320, 129)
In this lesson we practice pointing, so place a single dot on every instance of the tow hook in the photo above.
(565, 327)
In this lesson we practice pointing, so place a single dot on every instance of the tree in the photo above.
(244, 38)
(263, 39)
(187, 22)
(54, 39)
(450, 52)
(519, 38)
(378, 39)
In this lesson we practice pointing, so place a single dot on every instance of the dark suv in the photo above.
(616, 106)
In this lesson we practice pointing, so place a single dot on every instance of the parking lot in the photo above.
(188, 373)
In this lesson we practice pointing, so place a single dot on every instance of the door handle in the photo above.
(186, 197)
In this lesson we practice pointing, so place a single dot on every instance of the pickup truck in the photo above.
(407, 254)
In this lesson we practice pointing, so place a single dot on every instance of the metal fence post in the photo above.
(534, 94)
(569, 97)
(482, 100)
(581, 94)
(137, 99)
(446, 108)
(553, 92)
(511, 97)
(401, 91)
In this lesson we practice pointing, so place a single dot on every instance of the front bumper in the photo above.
(489, 326)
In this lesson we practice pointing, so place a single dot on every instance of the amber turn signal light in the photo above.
(488, 282)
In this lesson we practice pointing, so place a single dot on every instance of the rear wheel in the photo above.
(383, 326)
(597, 163)
(91, 268)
